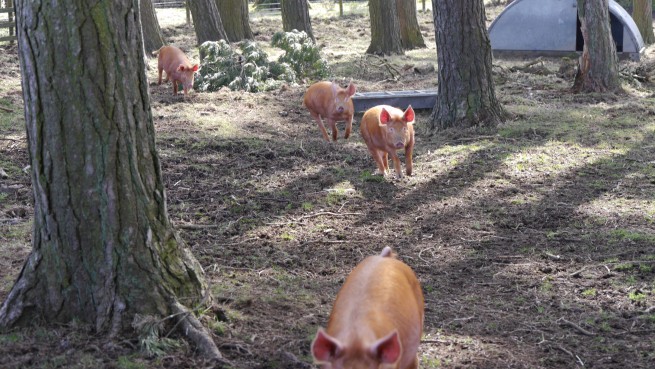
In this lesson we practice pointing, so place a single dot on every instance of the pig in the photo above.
(377, 318)
(329, 101)
(386, 130)
(177, 66)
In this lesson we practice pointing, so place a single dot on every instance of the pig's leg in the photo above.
(333, 126)
(349, 127)
(385, 160)
(174, 87)
(321, 126)
(408, 159)
(396, 163)
(160, 72)
(378, 156)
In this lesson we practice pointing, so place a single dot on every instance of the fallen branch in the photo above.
(197, 226)
(315, 215)
(580, 329)
(6, 109)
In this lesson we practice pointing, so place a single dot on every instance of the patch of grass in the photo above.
(307, 206)
(590, 292)
(636, 296)
(430, 363)
(128, 362)
(287, 237)
(367, 176)
(10, 338)
(623, 267)
(633, 236)
(546, 285)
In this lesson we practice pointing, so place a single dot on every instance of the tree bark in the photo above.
(152, 36)
(295, 15)
(410, 33)
(642, 13)
(207, 21)
(466, 95)
(234, 14)
(598, 66)
(385, 28)
(103, 247)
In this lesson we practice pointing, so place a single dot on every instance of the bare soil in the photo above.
(534, 242)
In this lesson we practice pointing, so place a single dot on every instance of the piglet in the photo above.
(329, 101)
(177, 66)
(376, 320)
(386, 130)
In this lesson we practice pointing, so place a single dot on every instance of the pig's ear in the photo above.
(385, 117)
(325, 348)
(181, 68)
(195, 67)
(351, 89)
(409, 114)
(387, 350)
(335, 87)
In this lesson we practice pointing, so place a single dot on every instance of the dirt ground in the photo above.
(534, 242)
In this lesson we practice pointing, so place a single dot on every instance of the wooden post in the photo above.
(341, 8)
(188, 13)
(10, 15)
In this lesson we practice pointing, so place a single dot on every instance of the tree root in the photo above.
(196, 333)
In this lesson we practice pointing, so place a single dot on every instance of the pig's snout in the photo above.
(399, 145)
(340, 109)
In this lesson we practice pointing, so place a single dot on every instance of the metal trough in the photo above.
(418, 99)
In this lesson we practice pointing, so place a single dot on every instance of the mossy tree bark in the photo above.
(642, 13)
(385, 28)
(466, 95)
(104, 249)
(207, 21)
(295, 15)
(234, 15)
(598, 66)
(410, 33)
(152, 36)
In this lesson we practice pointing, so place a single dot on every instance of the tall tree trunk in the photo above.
(410, 33)
(295, 15)
(152, 36)
(466, 95)
(385, 28)
(207, 21)
(234, 14)
(598, 66)
(642, 13)
(104, 249)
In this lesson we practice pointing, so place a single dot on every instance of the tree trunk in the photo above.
(234, 14)
(410, 33)
(104, 249)
(152, 36)
(466, 95)
(207, 21)
(295, 15)
(385, 28)
(642, 13)
(598, 69)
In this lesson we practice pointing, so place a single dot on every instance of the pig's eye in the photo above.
(390, 129)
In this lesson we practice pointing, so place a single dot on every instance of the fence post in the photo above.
(10, 15)
(188, 13)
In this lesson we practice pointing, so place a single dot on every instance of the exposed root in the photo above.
(191, 327)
